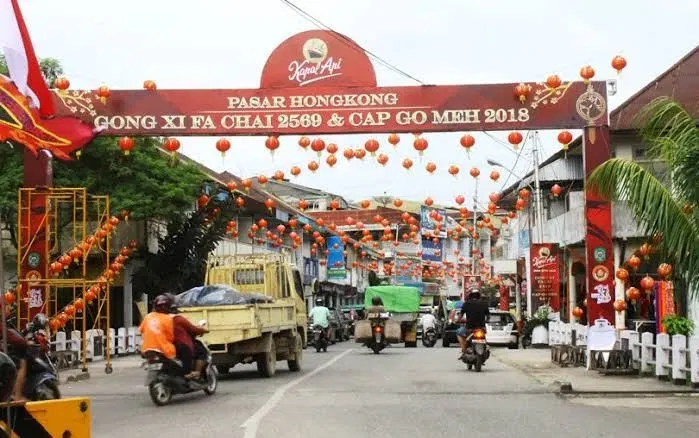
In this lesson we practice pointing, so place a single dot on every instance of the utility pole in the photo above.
(539, 206)
(475, 230)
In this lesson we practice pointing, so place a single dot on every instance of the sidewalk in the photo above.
(97, 369)
(537, 363)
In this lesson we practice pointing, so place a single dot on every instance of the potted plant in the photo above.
(535, 330)
(678, 325)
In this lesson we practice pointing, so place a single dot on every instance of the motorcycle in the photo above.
(477, 350)
(42, 377)
(166, 377)
(320, 338)
(429, 337)
(378, 337)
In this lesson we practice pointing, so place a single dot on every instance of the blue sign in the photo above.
(431, 251)
(428, 224)
(336, 258)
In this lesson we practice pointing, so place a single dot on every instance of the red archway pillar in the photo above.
(33, 260)
(598, 231)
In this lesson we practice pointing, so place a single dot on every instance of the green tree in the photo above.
(665, 206)
(50, 67)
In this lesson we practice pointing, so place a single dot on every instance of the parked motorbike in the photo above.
(167, 377)
(42, 377)
(320, 338)
(429, 337)
(477, 350)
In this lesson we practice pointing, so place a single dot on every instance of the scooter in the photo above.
(429, 337)
(166, 377)
(378, 337)
(320, 338)
(477, 350)
(42, 377)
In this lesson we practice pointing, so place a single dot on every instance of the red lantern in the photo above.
(633, 293)
(429, 202)
(172, 145)
(240, 202)
(587, 73)
(634, 261)
(467, 141)
(453, 170)
(371, 146)
(619, 305)
(407, 163)
(474, 172)
(647, 283)
(564, 138)
(553, 81)
(278, 175)
(494, 197)
(520, 204)
(460, 199)
(334, 204)
(622, 274)
(332, 148)
(578, 312)
(365, 203)
(420, 145)
(56, 268)
(514, 138)
(79, 304)
(126, 144)
(295, 170)
(382, 159)
(495, 175)
(222, 145)
(313, 166)
(644, 250)
(149, 85)
(556, 190)
(9, 298)
(90, 295)
(397, 203)
(61, 83)
(304, 142)
(65, 260)
(618, 63)
(76, 254)
(664, 270)
(393, 139)
(512, 215)
(348, 153)
(430, 167)
(331, 160)
(262, 223)
(359, 153)
(103, 93)
(202, 201)
(270, 204)
(272, 143)
(522, 91)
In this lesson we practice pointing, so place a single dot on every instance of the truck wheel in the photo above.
(295, 364)
(267, 362)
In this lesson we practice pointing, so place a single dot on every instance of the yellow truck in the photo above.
(261, 333)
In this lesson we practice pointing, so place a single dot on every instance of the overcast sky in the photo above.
(224, 44)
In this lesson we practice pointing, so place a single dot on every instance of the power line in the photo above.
(344, 40)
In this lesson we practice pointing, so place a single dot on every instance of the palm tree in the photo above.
(665, 206)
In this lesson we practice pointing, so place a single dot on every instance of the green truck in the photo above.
(403, 303)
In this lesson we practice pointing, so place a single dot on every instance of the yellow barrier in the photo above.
(65, 418)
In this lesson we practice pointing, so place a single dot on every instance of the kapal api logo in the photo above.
(544, 258)
(316, 65)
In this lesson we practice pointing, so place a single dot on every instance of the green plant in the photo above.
(540, 318)
(678, 325)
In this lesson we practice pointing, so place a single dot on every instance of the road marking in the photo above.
(251, 424)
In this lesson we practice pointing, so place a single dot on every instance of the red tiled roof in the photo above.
(680, 82)
(366, 216)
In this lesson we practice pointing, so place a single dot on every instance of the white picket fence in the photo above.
(674, 358)
(122, 341)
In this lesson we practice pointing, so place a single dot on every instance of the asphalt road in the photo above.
(350, 392)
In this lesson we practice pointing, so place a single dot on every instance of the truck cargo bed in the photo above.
(229, 324)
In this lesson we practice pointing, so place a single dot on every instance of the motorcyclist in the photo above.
(429, 321)
(320, 315)
(17, 346)
(376, 306)
(157, 329)
(475, 312)
(188, 349)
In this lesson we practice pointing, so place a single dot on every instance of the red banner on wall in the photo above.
(545, 275)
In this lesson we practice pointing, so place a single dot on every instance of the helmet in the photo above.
(319, 301)
(40, 321)
(8, 375)
(162, 303)
(173, 300)
(474, 295)
(376, 301)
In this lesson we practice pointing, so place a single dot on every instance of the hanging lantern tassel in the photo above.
(78, 154)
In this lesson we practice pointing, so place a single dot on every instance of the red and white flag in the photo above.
(21, 59)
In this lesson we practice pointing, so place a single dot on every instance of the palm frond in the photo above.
(655, 210)
(673, 135)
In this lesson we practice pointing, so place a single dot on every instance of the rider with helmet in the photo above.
(475, 312)
(189, 350)
(17, 350)
(321, 316)
(157, 329)
(376, 305)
